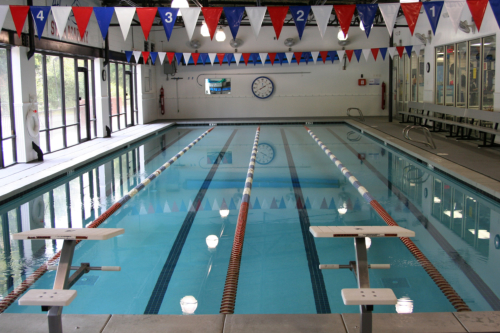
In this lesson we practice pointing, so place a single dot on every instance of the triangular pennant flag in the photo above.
(278, 15)
(215, 205)
(221, 56)
(151, 209)
(103, 16)
(289, 57)
(306, 56)
(383, 52)
(256, 205)
(366, 53)
(82, 17)
(186, 57)
(246, 57)
(190, 17)
(212, 57)
(263, 57)
(391, 51)
(40, 15)
(400, 50)
(272, 58)
(174, 207)
(349, 54)
(170, 57)
(417, 48)
(298, 56)
(255, 58)
(454, 9)
(341, 53)
(168, 17)
(166, 208)
(367, 15)
(332, 204)
(237, 58)
(153, 56)
(229, 58)
(234, 15)
(125, 15)
(282, 204)
(390, 14)
(161, 56)
(137, 56)
(145, 56)
(274, 205)
(358, 54)
(408, 50)
(344, 16)
(232, 206)
(324, 205)
(195, 57)
(332, 55)
(375, 54)
(223, 205)
(315, 56)
(207, 206)
(322, 16)
(146, 18)
(128, 54)
(300, 15)
(3, 13)
(477, 9)
(324, 55)
(281, 57)
(191, 207)
(412, 11)
(178, 56)
(495, 7)
(256, 16)
(203, 57)
(433, 10)
(183, 207)
(19, 14)
(212, 17)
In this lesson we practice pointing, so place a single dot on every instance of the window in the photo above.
(7, 125)
(414, 75)
(439, 75)
(489, 49)
(420, 78)
(449, 98)
(461, 81)
(123, 102)
(474, 73)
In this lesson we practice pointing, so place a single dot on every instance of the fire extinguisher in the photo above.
(383, 95)
(162, 100)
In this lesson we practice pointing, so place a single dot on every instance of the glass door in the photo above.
(83, 104)
(129, 98)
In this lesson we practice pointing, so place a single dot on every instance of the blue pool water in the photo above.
(164, 254)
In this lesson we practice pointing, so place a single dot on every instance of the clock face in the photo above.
(262, 87)
(265, 153)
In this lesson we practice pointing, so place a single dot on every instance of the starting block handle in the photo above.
(110, 268)
(371, 266)
(379, 266)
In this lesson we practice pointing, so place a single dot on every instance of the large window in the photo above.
(7, 129)
(65, 90)
(123, 102)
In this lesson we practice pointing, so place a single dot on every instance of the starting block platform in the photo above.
(48, 297)
(369, 296)
(368, 231)
(69, 233)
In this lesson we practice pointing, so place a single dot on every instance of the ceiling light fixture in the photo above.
(179, 4)
(341, 36)
(220, 36)
(204, 30)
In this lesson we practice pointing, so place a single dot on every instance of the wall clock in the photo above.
(262, 87)
(265, 153)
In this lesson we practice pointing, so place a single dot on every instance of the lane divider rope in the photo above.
(30, 280)
(233, 271)
(450, 293)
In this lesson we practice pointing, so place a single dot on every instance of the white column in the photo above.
(24, 86)
(139, 94)
(102, 97)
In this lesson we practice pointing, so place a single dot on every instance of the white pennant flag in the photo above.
(391, 51)
(237, 58)
(125, 15)
(215, 206)
(322, 16)
(256, 17)
(390, 13)
(366, 53)
(315, 56)
(212, 57)
(263, 57)
(61, 14)
(137, 55)
(341, 55)
(190, 17)
(161, 56)
(289, 57)
(417, 48)
(186, 57)
(454, 9)
(3, 13)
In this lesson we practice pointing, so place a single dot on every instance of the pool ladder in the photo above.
(359, 117)
(428, 137)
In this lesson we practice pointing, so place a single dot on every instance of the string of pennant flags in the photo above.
(279, 57)
(234, 16)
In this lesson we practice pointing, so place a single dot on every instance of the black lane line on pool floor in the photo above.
(317, 281)
(161, 286)
(473, 277)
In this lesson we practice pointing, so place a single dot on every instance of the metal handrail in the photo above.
(428, 137)
(361, 117)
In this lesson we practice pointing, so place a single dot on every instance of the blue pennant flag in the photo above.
(358, 54)
(383, 52)
(408, 50)
(300, 15)
(495, 7)
(168, 17)
(234, 15)
(232, 206)
(203, 57)
(103, 16)
(40, 16)
(281, 57)
(332, 55)
(229, 58)
(178, 56)
(255, 57)
(128, 54)
(153, 56)
(256, 205)
(367, 15)
(433, 10)
(307, 56)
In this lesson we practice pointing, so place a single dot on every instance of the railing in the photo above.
(360, 117)
(428, 137)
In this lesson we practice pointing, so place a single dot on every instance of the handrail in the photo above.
(352, 138)
(361, 117)
(428, 137)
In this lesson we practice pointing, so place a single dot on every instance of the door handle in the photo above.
(79, 98)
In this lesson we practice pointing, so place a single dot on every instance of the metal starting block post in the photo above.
(53, 300)
(364, 296)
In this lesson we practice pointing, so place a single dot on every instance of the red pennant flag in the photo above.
(82, 17)
(349, 54)
(212, 17)
(323, 54)
(344, 16)
(298, 56)
(195, 57)
(278, 15)
(246, 57)
(145, 56)
(400, 50)
(477, 9)
(220, 56)
(375, 53)
(19, 14)
(170, 57)
(272, 57)
(411, 11)
(146, 17)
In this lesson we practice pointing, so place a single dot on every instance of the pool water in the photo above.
(164, 253)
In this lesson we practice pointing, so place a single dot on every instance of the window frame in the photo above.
(133, 77)
(12, 135)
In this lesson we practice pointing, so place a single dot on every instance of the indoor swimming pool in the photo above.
(179, 229)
